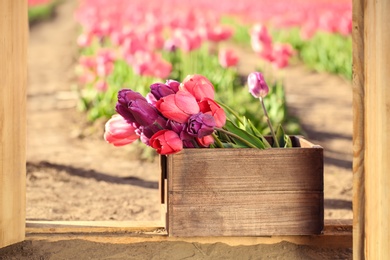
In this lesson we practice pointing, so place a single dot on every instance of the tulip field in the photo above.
(125, 45)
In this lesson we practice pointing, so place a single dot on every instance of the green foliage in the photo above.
(328, 52)
(41, 12)
(241, 30)
(323, 52)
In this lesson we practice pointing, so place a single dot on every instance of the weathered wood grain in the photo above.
(336, 234)
(236, 192)
(13, 81)
(358, 127)
(377, 129)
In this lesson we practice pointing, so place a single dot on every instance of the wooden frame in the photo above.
(371, 106)
(13, 82)
(371, 142)
(336, 234)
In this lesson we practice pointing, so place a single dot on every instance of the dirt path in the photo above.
(69, 177)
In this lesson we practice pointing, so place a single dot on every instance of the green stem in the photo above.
(269, 122)
(237, 137)
(230, 111)
(217, 141)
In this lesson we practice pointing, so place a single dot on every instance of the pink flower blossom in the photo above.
(227, 58)
(178, 107)
(118, 132)
(257, 85)
(209, 106)
(199, 86)
(166, 142)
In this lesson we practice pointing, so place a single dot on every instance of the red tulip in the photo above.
(178, 107)
(209, 106)
(199, 86)
(205, 141)
(119, 132)
(227, 58)
(166, 142)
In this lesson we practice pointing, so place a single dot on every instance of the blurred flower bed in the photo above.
(40, 9)
(133, 45)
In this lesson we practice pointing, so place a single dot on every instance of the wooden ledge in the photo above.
(336, 234)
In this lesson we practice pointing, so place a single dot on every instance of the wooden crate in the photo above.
(244, 192)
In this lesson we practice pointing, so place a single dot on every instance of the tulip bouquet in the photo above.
(175, 115)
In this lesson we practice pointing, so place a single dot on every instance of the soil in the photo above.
(72, 174)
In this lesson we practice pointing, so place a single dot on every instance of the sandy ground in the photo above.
(72, 174)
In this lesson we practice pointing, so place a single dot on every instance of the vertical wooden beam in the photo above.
(377, 129)
(358, 128)
(13, 80)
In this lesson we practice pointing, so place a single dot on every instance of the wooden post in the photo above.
(13, 81)
(358, 127)
(371, 129)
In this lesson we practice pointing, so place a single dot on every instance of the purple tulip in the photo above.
(136, 109)
(257, 85)
(200, 125)
(173, 84)
(160, 90)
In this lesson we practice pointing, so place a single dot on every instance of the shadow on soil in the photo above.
(99, 176)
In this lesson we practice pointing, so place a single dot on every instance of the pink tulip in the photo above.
(178, 107)
(227, 58)
(186, 40)
(257, 85)
(84, 40)
(166, 142)
(261, 40)
(101, 85)
(281, 55)
(119, 132)
(218, 33)
(209, 106)
(199, 86)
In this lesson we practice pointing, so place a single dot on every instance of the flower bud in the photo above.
(166, 142)
(118, 131)
(257, 85)
(160, 90)
(200, 125)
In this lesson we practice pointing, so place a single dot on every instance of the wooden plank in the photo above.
(377, 129)
(234, 213)
(299, 169)
(59, 227)
(336, 234)
(13, 81)
(358, 128)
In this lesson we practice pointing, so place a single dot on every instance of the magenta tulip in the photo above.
(199, 86)
(119, 132)
(136, 109)
(160, 90)
(257, 85)
(166, 142)
(178, 107)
